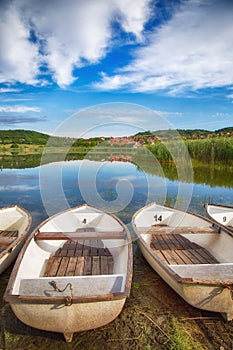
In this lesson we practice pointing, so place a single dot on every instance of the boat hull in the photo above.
(68, 319)
(193, 256)
(9, 257)
(13, 218)
(82, 248)
(213, 298)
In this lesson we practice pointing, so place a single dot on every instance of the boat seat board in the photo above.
(213, 274)
(178, 250)
(163, 229)
(87, 257)
(82, 286)
(9, 233)
(87, 234)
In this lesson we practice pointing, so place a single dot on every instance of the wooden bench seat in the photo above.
(164, 229)
(76, 258)
(80, 234)
(175, 249)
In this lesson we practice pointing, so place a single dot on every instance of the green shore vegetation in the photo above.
(200, 145)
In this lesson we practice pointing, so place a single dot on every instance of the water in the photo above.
(121, 188)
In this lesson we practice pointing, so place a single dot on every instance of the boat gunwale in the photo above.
(9, 296)
(20, 238)
(154, 256)
(60, 299)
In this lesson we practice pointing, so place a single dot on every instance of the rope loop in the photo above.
(68, 299)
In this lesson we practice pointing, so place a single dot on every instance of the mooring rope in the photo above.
(68, 299)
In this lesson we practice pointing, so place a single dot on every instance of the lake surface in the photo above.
(118, 187)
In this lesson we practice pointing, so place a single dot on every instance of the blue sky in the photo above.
(169, 63)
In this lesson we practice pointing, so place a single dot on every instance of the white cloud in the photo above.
(194, 49)
(19, 59)
(18, 109)
(6, 90)
(68, 35)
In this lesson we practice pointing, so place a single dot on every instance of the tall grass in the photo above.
(214, 150)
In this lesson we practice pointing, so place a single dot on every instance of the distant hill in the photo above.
(185, 133)
(225, 130)
(27, 137)
(23, 137)
(37, 138)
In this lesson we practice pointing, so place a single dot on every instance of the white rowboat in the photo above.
(74, 272)
(14, 226)
(221, 214)
(190, 253)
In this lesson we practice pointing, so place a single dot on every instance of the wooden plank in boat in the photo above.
(161, 256)
(87, 266)
(79, 266)
(176, 249)
(190, 257)
(183, 242)
(94, 248)
(52, 266)
(71, 267)
(9, 233)
(86, 247)
(79, 248)
(95, 265)
(71, 248)
(206, 256)
(169, 256)
(104, 265)
(110, 261)
(63, 266)
(79, 235)
(5, 241)
(80, 258)
(157, 229)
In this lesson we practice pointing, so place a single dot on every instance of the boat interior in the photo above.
(188, 244)
(12, 224)
(93, 258)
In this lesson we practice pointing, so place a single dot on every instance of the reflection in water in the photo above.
(204, 173)
(19, 184)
